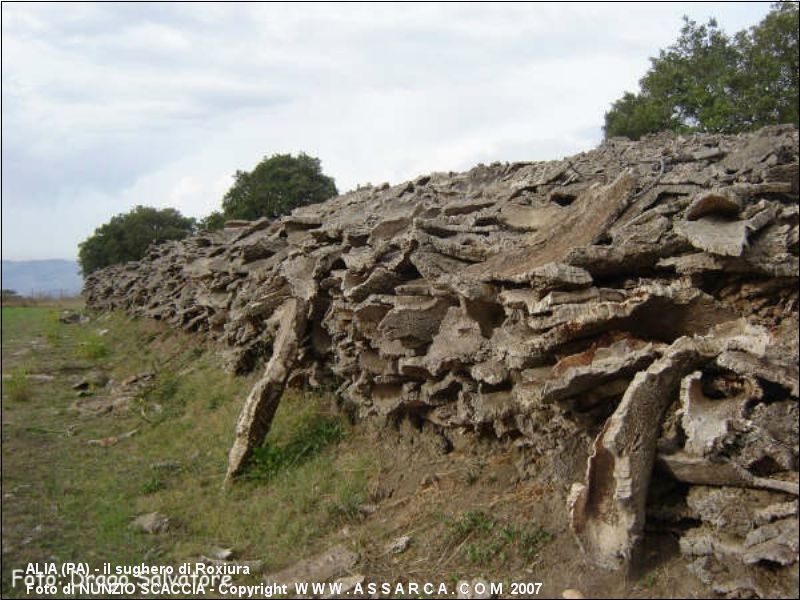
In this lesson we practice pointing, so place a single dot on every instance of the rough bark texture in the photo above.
(637, 303)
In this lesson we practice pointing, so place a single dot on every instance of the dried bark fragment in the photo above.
(262, 402)
(607, 512)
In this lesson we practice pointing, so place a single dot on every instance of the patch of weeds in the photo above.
(528, 540)
(37, 429)
(491, 543)
(52, 328)
(194, 353)
(93, 347)
(470, 521)
(214, 401)
(312, 435)
(649, 580)
(471, 477)
(153, 485)
(346, 506)
(164, 392)
(112, 520)
(165, 389)
(482, 553)
(330, 384)
(17, 387)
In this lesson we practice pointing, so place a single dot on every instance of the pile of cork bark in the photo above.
(635, 305)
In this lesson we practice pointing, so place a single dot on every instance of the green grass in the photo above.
(345, 506)
(153, 485)
(309, 478)
(528, 540)
(469, 522)
(17, 387)
(486, 541)
(308, 435)
(92, 347)
(649, 580)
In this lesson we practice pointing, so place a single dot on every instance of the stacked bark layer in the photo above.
(644, 293)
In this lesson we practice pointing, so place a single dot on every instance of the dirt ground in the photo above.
(67, 495)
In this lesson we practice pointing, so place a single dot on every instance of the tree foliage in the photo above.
(127, 236)
(711, 82)
(275, 187)
(211, 222)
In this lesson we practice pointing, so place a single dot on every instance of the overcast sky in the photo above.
(106, 106)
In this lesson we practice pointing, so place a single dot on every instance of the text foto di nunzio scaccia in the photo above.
(196, 585)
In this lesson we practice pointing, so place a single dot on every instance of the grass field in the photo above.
(66, 500)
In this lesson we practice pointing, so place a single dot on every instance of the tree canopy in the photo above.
(711, 82)
(214, 220)
(127, 236)
(276, 186)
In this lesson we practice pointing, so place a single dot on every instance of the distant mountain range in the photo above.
(42, 277)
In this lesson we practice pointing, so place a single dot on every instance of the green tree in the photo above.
(770, 55)
(211, 222)
(127, 236)
(277, 185)
(707, 81)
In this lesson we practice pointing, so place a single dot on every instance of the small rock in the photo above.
(367, 509)
(83, 384)
(39, 377)
(112, 439)
(398, 545)
(572, 593)
(69, 316)
(138, 378)
(104, 442)
(429, 480)
(153, 522)
(221, 553)
(332, 563)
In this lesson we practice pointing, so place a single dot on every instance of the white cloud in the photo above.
(109, 106)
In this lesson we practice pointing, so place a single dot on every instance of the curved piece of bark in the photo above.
(607, 512)
(262, 402)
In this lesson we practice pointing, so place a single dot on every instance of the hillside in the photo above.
(54, 277)
(624, 319)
